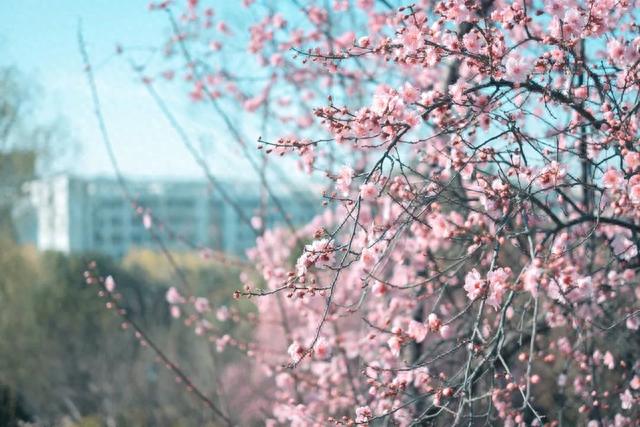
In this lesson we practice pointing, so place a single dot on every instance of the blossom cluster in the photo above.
(479, 244)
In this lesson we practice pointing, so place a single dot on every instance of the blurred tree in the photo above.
(20, 129)
(28, 147)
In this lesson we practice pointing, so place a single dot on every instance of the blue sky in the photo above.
(39, 37)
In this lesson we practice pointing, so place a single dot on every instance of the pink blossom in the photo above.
(296, 351)
(498, 285)
(369, 191)
(363, 42)
(623, 247)
(616, 50)
(256, 222)
(319, 253)
(173, 296)
(346, 40)
(411, 38)
(223, 27)
(417, 330)
(581, 93)
(175, 311)
(201, 305)
(632, 161)
(555, 27)
(284, 381)
(409, 93)
(322, 348)
(627, 400)
(621, 421)
(573, 22)
(368, 257)
(446, 332)
(612, 179)
(344, 180)
(365, 4)
(434, 321)
(608, 360)
(147, 220)
(382, 101)
(222, 342)
(379, 289)
(472, 41)
(634, 193)
(474, 285)
(531, 279)
(363, 414)
(109, 284)
(394, 345)
(457, 91)
(222, 314)
(253, 103)
(317, 15)
(279, 21)
(518, 69)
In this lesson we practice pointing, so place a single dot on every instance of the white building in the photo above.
(74, 214)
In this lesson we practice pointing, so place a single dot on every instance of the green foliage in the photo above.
(66, 354)
(12, 408)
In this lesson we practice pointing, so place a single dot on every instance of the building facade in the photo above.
(74, 214)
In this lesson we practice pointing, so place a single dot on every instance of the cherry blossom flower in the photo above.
(498, 286)
(296, 351)
(417, 330)
(623, 247)
(616, 50)
(612, 179)
(223, 314)
(608, 360)
(433, 321)
(632, 161)
(634, 193)
(368, 257)
(222, 342)
(319, 253)
(627, 400)
(201, 305)
(409, 93)
(472, 41)
(411, 38)
(147, 220)
(369, 191)
(394, 344)
(175, 311)
(363, 414)
(446, 332)
(379, 289)
(474, 284)
(531, 280)
(109, 284)
(174, 297)
(322, 348)
(518, 69)
(344, 180)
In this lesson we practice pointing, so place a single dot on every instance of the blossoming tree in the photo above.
(476, 261)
